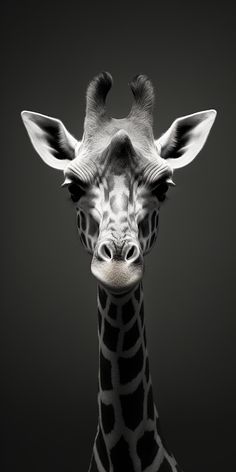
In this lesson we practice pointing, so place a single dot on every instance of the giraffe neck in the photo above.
(128, 437)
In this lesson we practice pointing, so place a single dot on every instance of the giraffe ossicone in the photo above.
(118, 175)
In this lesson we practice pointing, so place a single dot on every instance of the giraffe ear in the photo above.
(181, 143)
(54, 144)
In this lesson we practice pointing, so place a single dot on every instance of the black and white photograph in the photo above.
(118, 320)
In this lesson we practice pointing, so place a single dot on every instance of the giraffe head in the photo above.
(118, 174)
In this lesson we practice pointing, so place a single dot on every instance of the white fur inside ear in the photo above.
(193, 130)
(50, 139)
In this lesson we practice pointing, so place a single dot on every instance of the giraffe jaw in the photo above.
(116, 275)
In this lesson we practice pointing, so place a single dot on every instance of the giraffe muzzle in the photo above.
(118, 267)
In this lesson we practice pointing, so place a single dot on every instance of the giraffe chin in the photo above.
(117, 276)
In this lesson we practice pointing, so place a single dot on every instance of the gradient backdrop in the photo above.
(48, 315)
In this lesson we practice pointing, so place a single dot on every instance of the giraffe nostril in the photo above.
(105, 252)
(132, 253)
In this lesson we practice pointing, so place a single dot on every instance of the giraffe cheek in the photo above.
(88, 230)
(93, 230)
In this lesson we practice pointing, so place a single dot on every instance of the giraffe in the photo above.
(118, 176)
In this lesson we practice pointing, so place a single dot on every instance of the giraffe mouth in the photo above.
(117, 275)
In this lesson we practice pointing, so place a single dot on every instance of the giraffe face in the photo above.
(118, 174)
(118, 206)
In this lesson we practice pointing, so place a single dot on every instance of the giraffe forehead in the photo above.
(102, 134)
(118, 148)
(97, 147)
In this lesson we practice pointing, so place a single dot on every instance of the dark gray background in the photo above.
(49, 361)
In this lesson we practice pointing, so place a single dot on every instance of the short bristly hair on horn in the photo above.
(143, 92)
(96, 98)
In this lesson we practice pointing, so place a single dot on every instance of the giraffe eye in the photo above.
(76, 191)
(160, 191)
